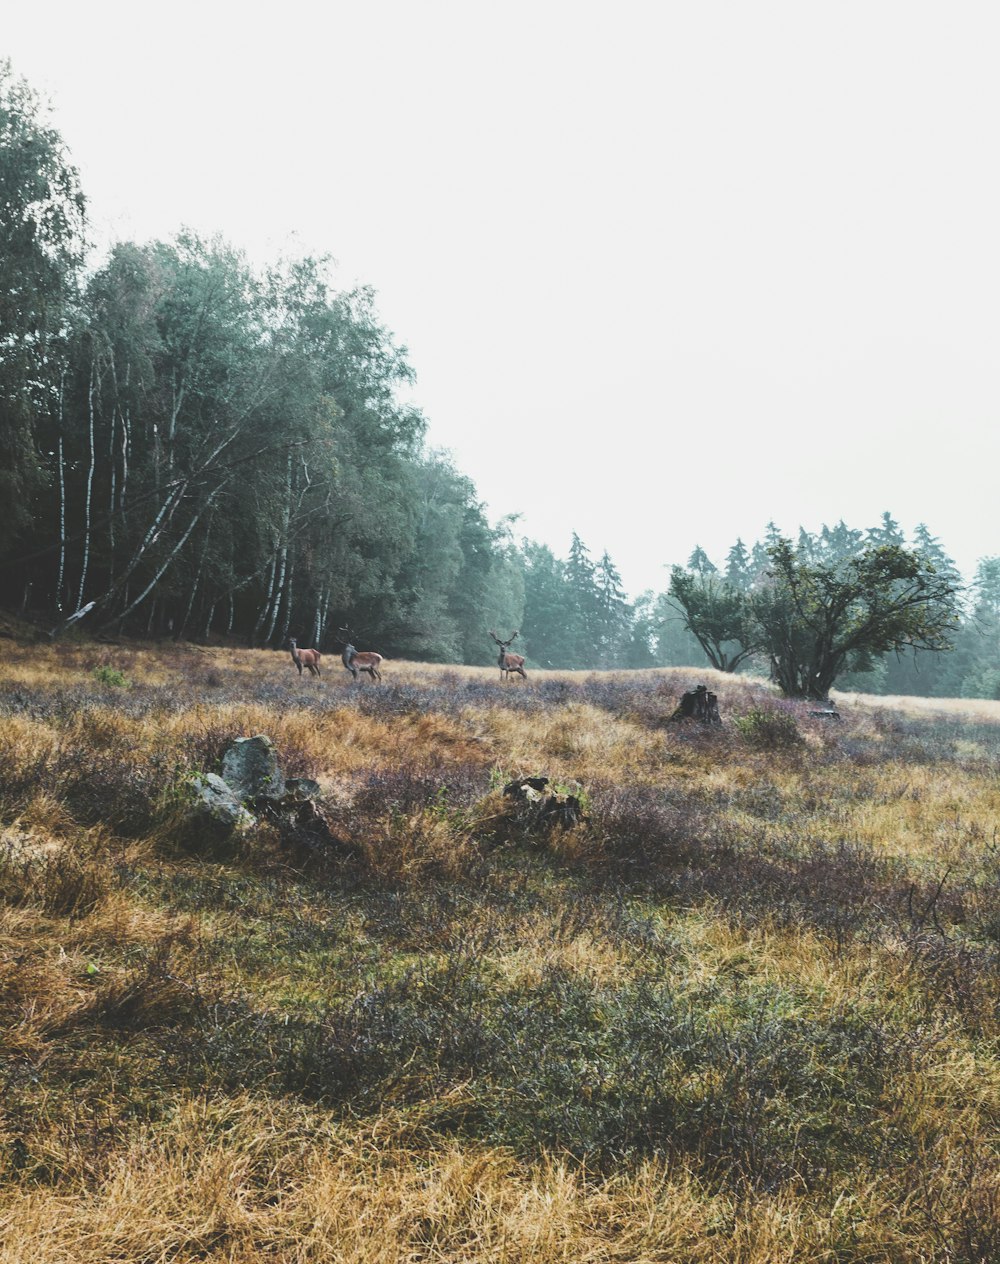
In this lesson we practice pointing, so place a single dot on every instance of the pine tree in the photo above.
(614, 614)
(739, 573)
(701, 563)
(545, 607)
(887, 532)
(583, 630)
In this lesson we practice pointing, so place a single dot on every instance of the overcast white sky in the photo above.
(665, 271)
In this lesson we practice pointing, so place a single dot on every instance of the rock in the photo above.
(304, 825)
(300, 789)
(209, 799)
(251, 780)
(250, 769)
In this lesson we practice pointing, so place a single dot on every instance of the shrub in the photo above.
(106, 675)
(769, 728)
(643, 828)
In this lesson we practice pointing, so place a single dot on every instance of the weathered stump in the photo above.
(698, 704)
(541, 809)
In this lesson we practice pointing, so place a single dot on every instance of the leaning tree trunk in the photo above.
(262, 613)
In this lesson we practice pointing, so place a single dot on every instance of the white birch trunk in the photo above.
(267, 602)
(62, 497)
(90, 484)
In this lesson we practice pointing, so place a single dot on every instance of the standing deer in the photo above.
(358, 661)
(304, 658)
(509, 662)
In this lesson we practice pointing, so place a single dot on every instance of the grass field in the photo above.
(746, 1010)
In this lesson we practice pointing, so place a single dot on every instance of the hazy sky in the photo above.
(665, 271)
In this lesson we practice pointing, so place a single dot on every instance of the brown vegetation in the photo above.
(747, 1009)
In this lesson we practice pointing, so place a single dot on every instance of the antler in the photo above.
(513, 638)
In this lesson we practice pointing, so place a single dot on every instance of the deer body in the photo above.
(509, 662)
(358, 661)
(304, 658)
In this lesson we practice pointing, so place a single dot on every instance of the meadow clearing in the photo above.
(746, 1010)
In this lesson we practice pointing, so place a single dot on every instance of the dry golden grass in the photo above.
(961, 708)
(244, 1182)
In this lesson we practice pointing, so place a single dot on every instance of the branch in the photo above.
(122, 511)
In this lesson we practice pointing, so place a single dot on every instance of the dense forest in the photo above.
(192, 447)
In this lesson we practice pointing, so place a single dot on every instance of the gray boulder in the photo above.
(209, 799)
(250, 769)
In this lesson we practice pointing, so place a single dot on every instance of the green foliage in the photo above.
(576, 614)
(41, 238)
(769, 728)
(817, 619)
(831, 607)
(106, 675)
(200, 449)
(717, 614)
(223, 450)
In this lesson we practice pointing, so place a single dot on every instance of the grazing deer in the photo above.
(358, 661)
(304, 658)
(509, 662)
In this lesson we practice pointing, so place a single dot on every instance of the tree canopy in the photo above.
(814, 620)
(41, 248)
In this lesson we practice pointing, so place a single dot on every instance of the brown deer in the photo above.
(304, 658)
(509, 662)
(358, 661)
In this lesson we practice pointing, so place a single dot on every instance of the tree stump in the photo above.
(698, 704)
(540, 809)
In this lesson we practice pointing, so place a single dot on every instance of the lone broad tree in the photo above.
(817, 620)
(814, 620)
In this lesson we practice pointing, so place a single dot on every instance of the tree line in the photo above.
(193, 447)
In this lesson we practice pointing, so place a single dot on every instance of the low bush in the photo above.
(769, 728)
(106, 675)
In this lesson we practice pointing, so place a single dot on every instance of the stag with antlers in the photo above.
(304, 658)
(358, 661)
(509, 662)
